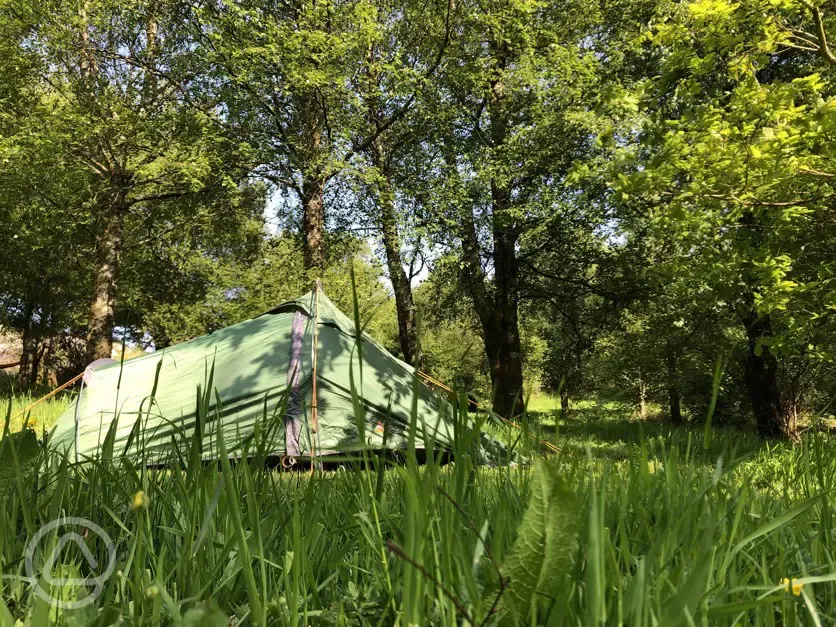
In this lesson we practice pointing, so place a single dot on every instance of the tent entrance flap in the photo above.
(293, 414)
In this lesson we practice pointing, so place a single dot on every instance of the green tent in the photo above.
(260, 368)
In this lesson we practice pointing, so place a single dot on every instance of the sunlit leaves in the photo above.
(736, 159)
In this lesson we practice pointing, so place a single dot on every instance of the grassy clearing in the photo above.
(633, 523)
(39, 418)
(42, 416)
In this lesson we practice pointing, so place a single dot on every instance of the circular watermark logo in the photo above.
(94, 583)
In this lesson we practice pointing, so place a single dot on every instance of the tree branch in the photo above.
(403, 109)
(824, 49)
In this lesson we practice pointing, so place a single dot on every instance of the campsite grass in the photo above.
(41, 417)
(632, 523)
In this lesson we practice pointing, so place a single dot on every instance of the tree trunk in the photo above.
(29, 352)
(761, 377)
(149, 87)
(313, 223)
(564, 403)
(42, 362)
(497, 315)
(506, 369)
(497, 311)
(37, 360)
(506, 373)
(314, 177)
(642, 399)
(761, 367)
(88, 66)
(404, 304)
(108, 248)
(674, 397)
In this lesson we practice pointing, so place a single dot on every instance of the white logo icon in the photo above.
(94, 584)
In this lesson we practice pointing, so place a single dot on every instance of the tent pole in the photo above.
(51, 394)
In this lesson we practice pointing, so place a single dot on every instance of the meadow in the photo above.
(634, 523)
(626, 203)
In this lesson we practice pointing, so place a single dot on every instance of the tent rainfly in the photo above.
(299, 356)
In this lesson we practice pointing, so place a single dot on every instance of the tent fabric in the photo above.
(254, 365)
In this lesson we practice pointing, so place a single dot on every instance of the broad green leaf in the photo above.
(6, 618)
(546, 541)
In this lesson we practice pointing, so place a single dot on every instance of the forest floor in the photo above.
(633, 522)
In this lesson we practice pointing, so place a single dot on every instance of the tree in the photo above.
(283, 72)
(41, 268)
(409, 46)
(149, 156)
(734, 163)
(515, 112)
(322, 90)
(287, 75)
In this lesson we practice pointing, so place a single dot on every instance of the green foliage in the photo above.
(450, 336)
(635, 181)
(545, 545)
(112, 168)
(275, 274)
(733, 161)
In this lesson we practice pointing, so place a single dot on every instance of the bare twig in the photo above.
(392, 547)
(762, 203)
(503, 580)
(814, 172)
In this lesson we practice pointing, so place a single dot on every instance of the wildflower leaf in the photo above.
(685, 602)
(205, 614)
(546, 540)
(736, 607)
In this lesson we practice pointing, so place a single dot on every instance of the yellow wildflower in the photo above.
(792, 585)
(140, 501)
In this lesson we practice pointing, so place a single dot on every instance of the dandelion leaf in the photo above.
(546, 540)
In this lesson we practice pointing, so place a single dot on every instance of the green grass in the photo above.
(543, 403)
(39, 418)
(632, 523)
(43, 413)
